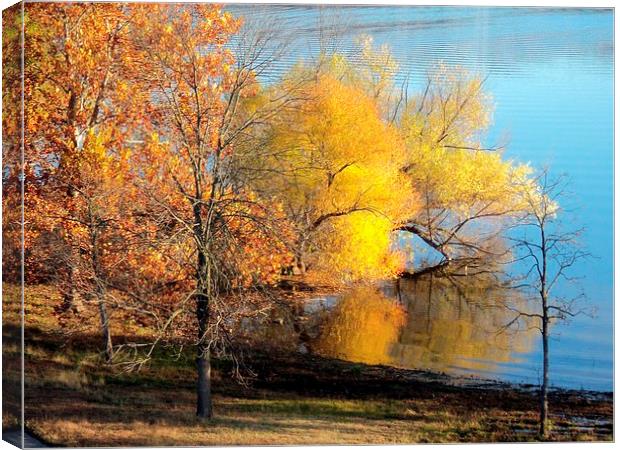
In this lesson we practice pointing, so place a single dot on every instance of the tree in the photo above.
(77, 61)
(550, 253)
(12, 168)
(339, 178)
(101, 221)
(467, 191)
(230, 238)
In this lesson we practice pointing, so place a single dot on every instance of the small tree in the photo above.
(550, 252)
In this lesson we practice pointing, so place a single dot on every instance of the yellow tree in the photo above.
(339, 177)
(468, 192)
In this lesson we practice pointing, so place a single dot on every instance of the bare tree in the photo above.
(550, 254)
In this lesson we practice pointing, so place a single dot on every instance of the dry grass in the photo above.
(72, 400)
(142, 419)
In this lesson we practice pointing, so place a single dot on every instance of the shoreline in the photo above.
(418, 375)
(571, 409)
(312, 291)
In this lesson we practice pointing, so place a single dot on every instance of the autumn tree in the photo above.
(102, 223)
(230, 235)
(11, 144)
(12, 216)
(78, 113)
(77, 60)
(468, 191)
(338, 166)
(549, 253)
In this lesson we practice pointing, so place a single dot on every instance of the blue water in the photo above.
(550, 72)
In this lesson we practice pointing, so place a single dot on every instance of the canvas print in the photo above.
(260, 224)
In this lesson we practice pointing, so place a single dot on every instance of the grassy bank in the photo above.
(71, 399)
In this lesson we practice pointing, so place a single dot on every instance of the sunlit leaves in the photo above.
(469, 190)
(341, 180)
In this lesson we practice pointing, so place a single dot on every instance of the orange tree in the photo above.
(76, 57)
(226, 236)
(82, 221)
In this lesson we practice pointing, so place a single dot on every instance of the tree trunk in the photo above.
(204, 405)
(300, 266)
(70, 300)
(301, 249)
(105, 326)
(543, 390)
(100, 290)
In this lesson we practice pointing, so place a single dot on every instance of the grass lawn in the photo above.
(72, 400)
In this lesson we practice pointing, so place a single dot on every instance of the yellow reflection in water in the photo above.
(430, 323)
(363, 327)
(459, 325)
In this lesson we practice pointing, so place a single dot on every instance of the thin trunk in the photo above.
(100, 290)
(544, 405)
(70, 301)
(300, 256)
(426, 236)
(204, 404)
(300, 266)
(105, 325)
(545, 334)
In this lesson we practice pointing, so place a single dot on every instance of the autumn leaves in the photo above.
(341, 181)
(167, 179)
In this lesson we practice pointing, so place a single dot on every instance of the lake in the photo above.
(550, 72)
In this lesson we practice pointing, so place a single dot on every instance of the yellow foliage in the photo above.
(461, 179)
(372, 71)
(359, 246)
(342, 181)
(469, 192)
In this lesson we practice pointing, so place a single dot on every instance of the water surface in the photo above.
(550, 72)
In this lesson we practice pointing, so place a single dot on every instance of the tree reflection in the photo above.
(459, 323)
(448, 324)
(362, 327)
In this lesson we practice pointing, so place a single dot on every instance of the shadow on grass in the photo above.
(66, 381)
